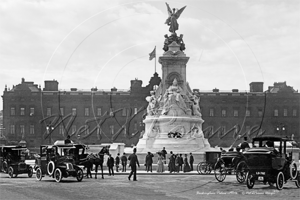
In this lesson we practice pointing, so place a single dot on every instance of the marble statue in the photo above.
(153, 103)
(173, 95)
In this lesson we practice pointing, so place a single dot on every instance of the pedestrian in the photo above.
(244, 145)
(160, 163)
(149, 162)
(68, 140)
(117, 162)
(124, 162)
(180, 162)
(110, 165)
(177, 163)
(191, 161)
(172, 162)
(133, 162)
(186, 167)
(164, 153)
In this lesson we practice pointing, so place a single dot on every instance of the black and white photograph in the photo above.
(149, 99)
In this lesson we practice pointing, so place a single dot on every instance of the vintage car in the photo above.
(271, 160)
(12, 161)
(59, 161)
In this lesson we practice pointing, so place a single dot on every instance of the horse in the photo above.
(96, 159)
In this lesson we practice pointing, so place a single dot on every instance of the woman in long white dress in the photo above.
(160, 164)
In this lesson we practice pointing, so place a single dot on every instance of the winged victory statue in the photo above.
(172, 19)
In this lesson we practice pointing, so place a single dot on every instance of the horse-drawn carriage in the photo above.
(12, 161)
(272, 161)
(231, 162)
(58, 161)
(211, 157)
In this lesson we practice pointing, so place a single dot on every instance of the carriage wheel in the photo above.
(198, 168)
(30, 172)
(250, 181)
(279, 181)
(38, 174)
(293, 171)
(204, 168)
(220, 171)
(57, 175)
(11, 172)
(241, 172)
(79, 175)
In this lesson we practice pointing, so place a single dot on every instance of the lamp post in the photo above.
(49, 129)
(280, 128)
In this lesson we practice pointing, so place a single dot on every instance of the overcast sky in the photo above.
(106, 43)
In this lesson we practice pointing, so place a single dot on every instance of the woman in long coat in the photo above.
(172, 163)
(186, 167)
(160, 164)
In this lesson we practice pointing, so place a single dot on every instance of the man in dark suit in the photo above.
(124, 162)
(133, 162)
(180, 162)
(117, 162)
(110, 165)
(191, 161)
(149, 162)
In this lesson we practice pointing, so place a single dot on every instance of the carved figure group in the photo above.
(173, 38)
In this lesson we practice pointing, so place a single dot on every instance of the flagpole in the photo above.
(155, 62)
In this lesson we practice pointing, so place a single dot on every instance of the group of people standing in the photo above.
(178, 163)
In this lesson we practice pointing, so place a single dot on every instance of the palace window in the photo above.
(31, 129)
(248, 113)
(99, 111)
(235, 113)
(285, 112)
(31, 111)
(260, 112)
(294, 112)
(74, 111)
(86, 112)
(61, 130)
(12, 129)
(62, 111)
(223, 113)
(22, 129)
(22, 111)
(276, 113)
(211, 112)
(111, 129)
(124, 112)
(12, 111)
(49, 112)
(73, 129)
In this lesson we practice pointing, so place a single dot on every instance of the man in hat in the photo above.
(133, 162)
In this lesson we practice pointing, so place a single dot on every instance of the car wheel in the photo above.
(50, 168)
(4, 167)
(279, 181)
(30, 172)
(58, 175)
(241, 172)
(38, 174)
(293, 171)
(11, 172)
(79, 175)
(220, 171)
(250, 181)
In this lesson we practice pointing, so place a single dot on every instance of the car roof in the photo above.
(271, 138)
